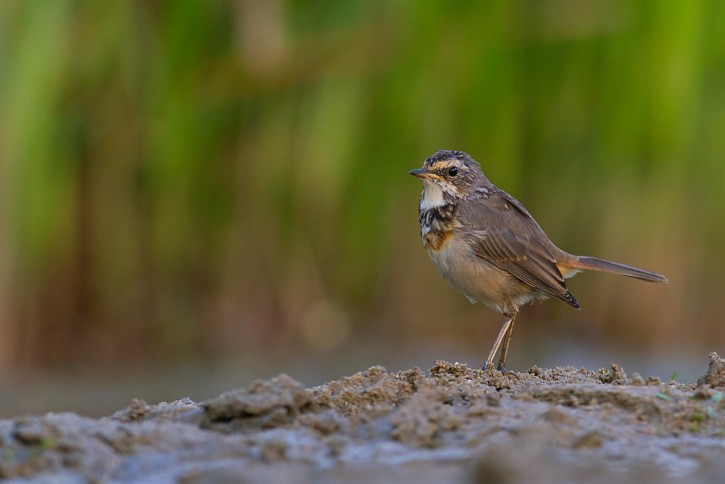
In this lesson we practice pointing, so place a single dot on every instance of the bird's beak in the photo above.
(421, 173)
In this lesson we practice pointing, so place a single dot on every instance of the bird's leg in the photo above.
(507, 323)
(506, 341)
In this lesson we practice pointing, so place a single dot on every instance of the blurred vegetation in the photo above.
(192, 179)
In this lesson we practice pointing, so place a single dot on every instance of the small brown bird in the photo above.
(489, 247)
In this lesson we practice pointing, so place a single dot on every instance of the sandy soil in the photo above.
(450, 424)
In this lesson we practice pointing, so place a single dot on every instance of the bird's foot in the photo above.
(506, 371)
(488, 366)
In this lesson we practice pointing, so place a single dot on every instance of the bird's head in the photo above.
(454, 173)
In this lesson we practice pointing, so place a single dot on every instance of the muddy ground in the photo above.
(449, 424)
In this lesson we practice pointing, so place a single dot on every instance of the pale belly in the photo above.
(477, 279)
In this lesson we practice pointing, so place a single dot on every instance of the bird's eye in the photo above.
(453, 171)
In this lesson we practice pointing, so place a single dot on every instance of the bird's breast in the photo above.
(437, 225)
(435, 240)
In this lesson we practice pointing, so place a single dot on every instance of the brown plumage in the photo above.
(488, 246)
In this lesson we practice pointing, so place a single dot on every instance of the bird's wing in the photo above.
(502, 232)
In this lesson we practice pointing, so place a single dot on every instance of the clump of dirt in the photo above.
(449, 424)
(715, 376)
(265, 404)
(367, 393)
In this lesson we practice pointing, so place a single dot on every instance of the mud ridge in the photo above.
(450, 423)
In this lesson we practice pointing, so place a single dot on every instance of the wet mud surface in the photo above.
(448, 424)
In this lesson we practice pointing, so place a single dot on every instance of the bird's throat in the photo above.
(432, 196)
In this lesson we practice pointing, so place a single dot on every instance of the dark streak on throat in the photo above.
(437, 225)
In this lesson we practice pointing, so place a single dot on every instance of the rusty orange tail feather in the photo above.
(601, 265)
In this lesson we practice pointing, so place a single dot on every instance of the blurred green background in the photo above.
(208, 184)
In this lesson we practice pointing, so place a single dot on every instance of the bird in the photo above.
(487, 245)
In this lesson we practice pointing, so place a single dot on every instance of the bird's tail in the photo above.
(594, 264)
